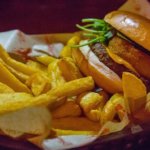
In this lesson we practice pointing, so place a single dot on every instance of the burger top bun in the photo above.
(133, 26)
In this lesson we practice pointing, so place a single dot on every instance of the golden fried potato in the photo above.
(9, 79)
(115, 105)
(55, 74)
(19, 66)
(89, 101)
(21, 76)
(73, 87)
(134, 92)
(69, 69)
(67, 50)
(68, 109)
(5, 89)
(14, 101)
(60, 132)
(37, 66)
(45, 59)
(39, 83)
(92, 104)
(75, 123)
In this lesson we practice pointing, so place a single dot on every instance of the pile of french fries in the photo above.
(57, 84)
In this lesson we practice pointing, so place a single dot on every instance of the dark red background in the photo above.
(45, 16)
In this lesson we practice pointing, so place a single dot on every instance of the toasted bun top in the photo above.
(133, 26)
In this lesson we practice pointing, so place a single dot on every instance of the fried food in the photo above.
(67, 50)
(21, 67)
(68, 109)
(5, 89)
(134, 92)
(76, 123)
(69, 69)
(60, 132)
(39, 83)
(55, 74)
(9, 79)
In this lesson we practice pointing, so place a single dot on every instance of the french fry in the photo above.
(39, 83)
(75, 123)
(73, 88)
(14, 101)
(45, 59)
(21, 67)
(134, 92)
(91, 103)
(114, 106)
(67, 50)
(5, 89)
(37, 66)
(21, 76)
(55, 74)
(59, 132)
(67, 63)
(90, 100)
(9, 79)
(68, 109)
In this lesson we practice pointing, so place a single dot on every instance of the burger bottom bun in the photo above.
(90, 65)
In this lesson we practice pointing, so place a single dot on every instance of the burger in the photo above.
(118, 43)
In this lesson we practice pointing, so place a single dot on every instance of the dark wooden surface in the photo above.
(45, 16)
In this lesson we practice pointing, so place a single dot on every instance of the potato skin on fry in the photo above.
(69, 69)
(9, 79)
(73, 88)
(68, 109)
(134, 92)
(75, 123)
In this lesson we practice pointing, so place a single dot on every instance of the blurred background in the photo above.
(51, 16)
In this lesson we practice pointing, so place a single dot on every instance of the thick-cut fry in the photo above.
(59, 132)
(73, 88)
(45, 59)
(67, 50)
(134, 92)
(68, 109)
(37, 66)
(39, 83)
(5, 89)
(16, 64)
(114, 106)
(91, 103)
(55, 74)
(75, 123)
(9, 79)
(21, 76)
(15, 101)
(69, 69)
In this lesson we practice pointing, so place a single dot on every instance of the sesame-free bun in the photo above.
(90, 65)
(133, 26)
